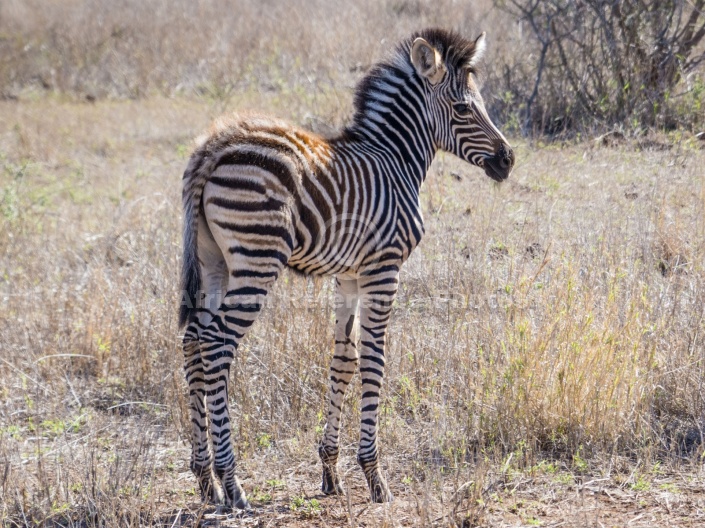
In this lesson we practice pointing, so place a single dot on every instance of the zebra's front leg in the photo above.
(377, 292)
(342, 369)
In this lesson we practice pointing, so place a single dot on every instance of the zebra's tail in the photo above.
(194, 179)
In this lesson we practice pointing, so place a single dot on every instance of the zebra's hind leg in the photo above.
(214, 277)
(243, 303)
(342, 369)
(377, 292)
(252, 228)
(201, 457)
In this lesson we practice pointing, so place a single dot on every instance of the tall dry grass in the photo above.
(99, 48)
(555, 317)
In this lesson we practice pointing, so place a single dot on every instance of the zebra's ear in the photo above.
(427, 61)
(480, 46)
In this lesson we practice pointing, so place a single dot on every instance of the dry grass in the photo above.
(98, 48)
(550, 329)
(546, 350)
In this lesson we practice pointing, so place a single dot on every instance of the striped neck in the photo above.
(392, 117)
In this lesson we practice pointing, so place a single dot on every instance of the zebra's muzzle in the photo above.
(499, 166)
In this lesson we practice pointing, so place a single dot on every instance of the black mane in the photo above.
(456, 52)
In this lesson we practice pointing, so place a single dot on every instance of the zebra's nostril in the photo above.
(506, 156)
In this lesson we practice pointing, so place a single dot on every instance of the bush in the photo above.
(602, 63)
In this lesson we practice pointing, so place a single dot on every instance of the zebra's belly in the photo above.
(326, 260)
(353, 259)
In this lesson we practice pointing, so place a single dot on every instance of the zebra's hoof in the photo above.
(379, 491)
(238, 504)
(379, 496)
(331, 484)
(211, 492)
(214, 495)
(242, 504)
(235, 498)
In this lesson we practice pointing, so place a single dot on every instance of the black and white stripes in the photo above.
(260, 195)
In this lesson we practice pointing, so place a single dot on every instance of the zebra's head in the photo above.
(447, 65)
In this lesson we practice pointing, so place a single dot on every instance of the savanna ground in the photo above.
(546, 351)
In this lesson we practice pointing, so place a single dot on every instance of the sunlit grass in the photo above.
(543, 327)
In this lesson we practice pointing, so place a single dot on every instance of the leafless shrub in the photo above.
(605, 63)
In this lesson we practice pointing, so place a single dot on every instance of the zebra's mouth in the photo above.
(496, 170)
(499, 166)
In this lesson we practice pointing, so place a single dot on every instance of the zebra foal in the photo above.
(260, 194)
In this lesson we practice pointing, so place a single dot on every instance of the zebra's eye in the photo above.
(462, 108)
